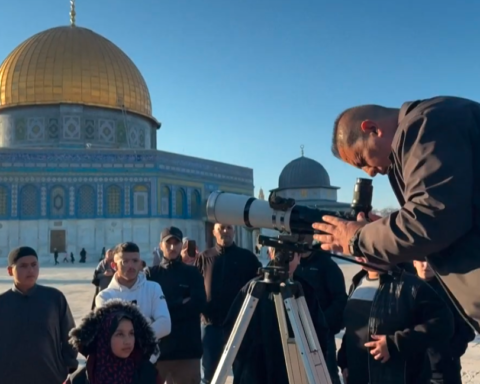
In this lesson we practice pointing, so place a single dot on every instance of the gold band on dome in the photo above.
(75, 66)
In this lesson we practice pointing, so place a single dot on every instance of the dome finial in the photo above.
(301, 149)
(261, 195)
(72, 13)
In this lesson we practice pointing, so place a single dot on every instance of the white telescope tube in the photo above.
(233, 209)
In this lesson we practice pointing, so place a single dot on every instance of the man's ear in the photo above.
(113, 265)
(369, 126)
(10, 271)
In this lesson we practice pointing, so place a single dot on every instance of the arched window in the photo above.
(29, 199)
(87, 201)
(114, 200)
(165, 199)
(140, 200)
(180, 203)
(3, 201)
(195, 201)
(58, 202)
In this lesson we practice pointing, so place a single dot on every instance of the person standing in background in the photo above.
(226, 268)
(157, 256)
(102, 276)
(35, 323)
(445, 362)
(182, 284)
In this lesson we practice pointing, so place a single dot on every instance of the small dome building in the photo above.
(307, 181)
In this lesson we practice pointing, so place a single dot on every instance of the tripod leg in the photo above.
(238, 332)
(305, 338)
(295, 371)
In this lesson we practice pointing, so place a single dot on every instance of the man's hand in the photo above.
(108, 273)
(379, 349)
(345, 375)
(338, 232)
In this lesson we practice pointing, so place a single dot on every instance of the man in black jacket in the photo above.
(429, 150)
(391, 319)
(184, 292)
(445, 363)
(328, 283)
(226, 268)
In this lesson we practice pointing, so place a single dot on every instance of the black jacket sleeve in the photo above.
(342, 355)
(433, 325)
(67, 323)
(335, 284)
(198, 299)
(433, 147)
(462, 336)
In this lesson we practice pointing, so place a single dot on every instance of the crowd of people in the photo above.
(169, 323)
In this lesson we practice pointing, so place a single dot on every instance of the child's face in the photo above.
(123, 339)
(25, 271)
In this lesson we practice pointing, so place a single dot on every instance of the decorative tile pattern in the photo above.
(161, 161)
(28, 201)
(86, 201)
(126, 199)
(106, 130)
(57, 202)
(53, 128)
(89, 129)
(133, 138)
(20, 129)
(121, 133)
(43, 201)
(14, 190)
(99, 199)
(71, 208)
(36, 129)
(141, 137)
(71, 128)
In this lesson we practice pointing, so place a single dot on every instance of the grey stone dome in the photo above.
(304, 173)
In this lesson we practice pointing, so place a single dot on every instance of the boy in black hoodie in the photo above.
(182, 285)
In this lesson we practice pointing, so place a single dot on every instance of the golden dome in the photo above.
(72, 65)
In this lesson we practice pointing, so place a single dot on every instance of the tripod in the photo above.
(303, 356)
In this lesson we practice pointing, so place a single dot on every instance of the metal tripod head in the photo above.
(289, 244)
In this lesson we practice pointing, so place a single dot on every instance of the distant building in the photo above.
(78, 159)
(308, 183)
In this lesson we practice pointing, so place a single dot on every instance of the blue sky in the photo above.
(249, 81)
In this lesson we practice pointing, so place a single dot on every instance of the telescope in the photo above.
(280, 213)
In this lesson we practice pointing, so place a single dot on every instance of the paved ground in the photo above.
(74, 281)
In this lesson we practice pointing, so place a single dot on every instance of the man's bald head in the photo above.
(347, 128)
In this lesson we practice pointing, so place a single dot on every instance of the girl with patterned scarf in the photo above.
(118, 343)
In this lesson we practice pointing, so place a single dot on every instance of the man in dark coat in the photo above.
(225, 268)
(429, 150)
